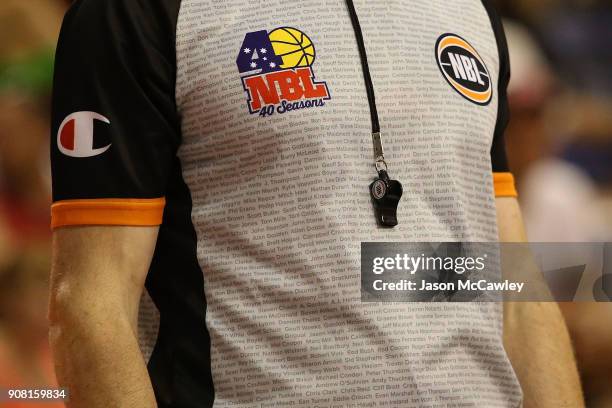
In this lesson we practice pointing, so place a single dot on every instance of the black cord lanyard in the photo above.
(385, 193)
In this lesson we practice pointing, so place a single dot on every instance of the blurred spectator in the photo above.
(28, 26)
(28, 31)
(559, 146)
(24, 180)
(544, 128)
(25, 360)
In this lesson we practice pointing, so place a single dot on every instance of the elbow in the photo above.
(73, 312)
(62, 315)
(80, 310)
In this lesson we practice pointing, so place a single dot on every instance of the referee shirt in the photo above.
(242, 128)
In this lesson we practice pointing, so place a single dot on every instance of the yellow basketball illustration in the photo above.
(293, 46)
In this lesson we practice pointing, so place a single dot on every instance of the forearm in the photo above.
(98, 359)
(536, 337)
(539, 347)
(97, 279)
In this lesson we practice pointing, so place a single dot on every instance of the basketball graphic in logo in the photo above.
(276, 72)
(464, 69)
(293, 46)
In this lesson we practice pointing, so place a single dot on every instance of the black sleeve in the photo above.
(498, 148)
(115, 128)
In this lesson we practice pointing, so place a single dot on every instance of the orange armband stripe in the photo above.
(108, 211)
(503, 184)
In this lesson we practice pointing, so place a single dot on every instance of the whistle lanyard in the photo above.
(385, 193)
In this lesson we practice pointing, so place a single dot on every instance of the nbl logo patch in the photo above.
(464, 69)
(277, 73)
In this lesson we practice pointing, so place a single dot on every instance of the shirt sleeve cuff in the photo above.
(503, 184)
(108, 211)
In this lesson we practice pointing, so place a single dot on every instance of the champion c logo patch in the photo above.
(75, 137)
(464, 69)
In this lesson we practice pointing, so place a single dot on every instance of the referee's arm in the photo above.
(115, 133)
(535, 335)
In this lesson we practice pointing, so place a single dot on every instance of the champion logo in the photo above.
(464, 69)
(75, 136)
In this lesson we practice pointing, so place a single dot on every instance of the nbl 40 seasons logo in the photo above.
(277, 72)
(464, 69)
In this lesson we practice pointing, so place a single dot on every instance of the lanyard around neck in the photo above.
(379, 155)
(385, 192)
(364, 66)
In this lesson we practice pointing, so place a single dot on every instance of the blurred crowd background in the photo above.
(559, 145)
